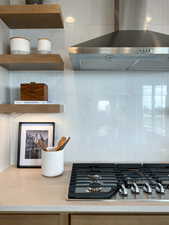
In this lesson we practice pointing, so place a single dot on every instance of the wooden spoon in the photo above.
(42, 145)
(63, 145)
(60, 143)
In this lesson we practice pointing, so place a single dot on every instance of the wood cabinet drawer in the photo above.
(120, 219)
(10, 219)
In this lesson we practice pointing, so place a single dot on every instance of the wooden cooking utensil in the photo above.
(60, 143)
(42, 145)
(63, 145)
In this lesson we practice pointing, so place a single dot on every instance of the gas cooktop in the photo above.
(119, 181)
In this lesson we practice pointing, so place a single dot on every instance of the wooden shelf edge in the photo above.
(30, 9)
(23, 108)
(32, 16)
(32, 62)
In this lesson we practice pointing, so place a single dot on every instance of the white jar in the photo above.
(52, 163)
(44, 46)
(19, 45)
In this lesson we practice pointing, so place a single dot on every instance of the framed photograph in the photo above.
(29, 153)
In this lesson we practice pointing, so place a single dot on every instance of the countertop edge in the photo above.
(84, 209)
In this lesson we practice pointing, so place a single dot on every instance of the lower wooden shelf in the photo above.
(20, 108)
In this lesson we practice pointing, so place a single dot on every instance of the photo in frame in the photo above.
(29, 152)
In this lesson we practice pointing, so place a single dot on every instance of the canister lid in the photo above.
(19, 38)
(44, 39)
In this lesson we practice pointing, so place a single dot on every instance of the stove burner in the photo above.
(94, 177)
(95, 187)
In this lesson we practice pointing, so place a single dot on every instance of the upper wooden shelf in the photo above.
(21, 108)
(32, 62)
(32, 16)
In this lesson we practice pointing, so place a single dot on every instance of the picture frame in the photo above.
(29, 153)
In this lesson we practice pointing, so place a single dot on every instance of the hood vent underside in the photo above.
(123, 50)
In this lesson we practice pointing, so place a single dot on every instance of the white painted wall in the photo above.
(4, 98)
(111, 116)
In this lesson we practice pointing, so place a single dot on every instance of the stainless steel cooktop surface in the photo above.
(108, 181)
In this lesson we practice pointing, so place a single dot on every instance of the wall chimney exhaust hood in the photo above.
(123, 50)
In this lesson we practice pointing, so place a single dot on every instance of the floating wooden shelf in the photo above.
(32, 16)
(45, 108)
(32, 62)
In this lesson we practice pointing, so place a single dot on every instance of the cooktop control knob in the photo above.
(135, 188)
(159, 188)
(123, 190)
(147, 189)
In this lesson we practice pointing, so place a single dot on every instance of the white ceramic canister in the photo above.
(19, 45)
(44, 46)
(52, 163)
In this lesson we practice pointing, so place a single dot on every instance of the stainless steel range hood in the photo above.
(123, 50)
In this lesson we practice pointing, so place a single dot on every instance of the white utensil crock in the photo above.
(52, 163)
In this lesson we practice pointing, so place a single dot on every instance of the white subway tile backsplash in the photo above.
(111, 116)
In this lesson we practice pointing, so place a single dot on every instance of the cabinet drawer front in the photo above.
(29, 219)
(120, 220)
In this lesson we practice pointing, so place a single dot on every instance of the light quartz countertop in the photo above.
(26, 190)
